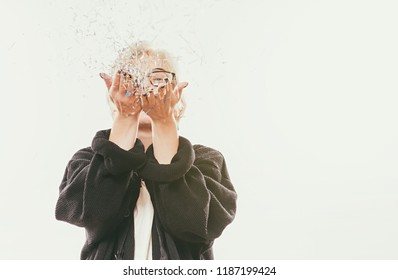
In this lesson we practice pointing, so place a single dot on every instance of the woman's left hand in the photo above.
(161, 107)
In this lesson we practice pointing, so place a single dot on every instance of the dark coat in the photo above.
(193, 199)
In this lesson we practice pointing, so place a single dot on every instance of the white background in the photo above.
(299, 96)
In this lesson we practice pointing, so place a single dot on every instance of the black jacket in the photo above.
(193, 199)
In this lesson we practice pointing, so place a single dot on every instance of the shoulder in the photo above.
(204, 154)
(98, 140)
(83, 154)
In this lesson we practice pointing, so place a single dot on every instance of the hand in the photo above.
(126, 104)
(125, 125)
(160, 107)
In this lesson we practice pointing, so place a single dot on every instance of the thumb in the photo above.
(107, 79)
(179, 88)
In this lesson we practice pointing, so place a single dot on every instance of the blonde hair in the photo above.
(143, 58)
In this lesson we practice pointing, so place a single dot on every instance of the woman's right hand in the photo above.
(126, 104)
(125, 121)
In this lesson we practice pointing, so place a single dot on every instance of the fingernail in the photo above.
(119, 71)
(102, 75)
(186, 84)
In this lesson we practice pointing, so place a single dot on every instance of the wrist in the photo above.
(165, 123)
(165, 140)
(124, 131)
(125, 120)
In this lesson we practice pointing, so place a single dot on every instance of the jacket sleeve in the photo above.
(193, 195)
(94, 186)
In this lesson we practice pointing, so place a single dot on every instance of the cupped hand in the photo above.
(161, 106)
(127, 104)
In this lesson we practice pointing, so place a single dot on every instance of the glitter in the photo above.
(143, 69)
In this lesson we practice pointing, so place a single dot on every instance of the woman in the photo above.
(141, 191)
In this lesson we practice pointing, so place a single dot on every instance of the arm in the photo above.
(165, 140)
(94, 187)
(94, 192)
(161, 110)
(193, 194)
(190, 189)
(124, 131)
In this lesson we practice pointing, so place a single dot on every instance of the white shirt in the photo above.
(143, 218)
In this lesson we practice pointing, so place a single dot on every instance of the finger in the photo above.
(122, 86)
(111, 98)
(131, 90)
(144, 102)
(138, 102)
(167, 95)
(151, 100)
(116, 79)
(173, 82)
(162, 92)
(179, 88)
(115, 83)
(107, 79)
